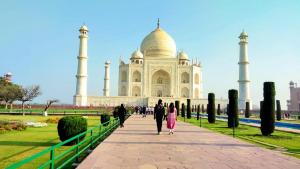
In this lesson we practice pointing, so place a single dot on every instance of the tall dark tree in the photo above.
(177, 104)
(247, 110)
(202, 108)
(188, 109)
(268, 109)
(278, 110)
(219, 109)
(182, 110)
(233, 118)
(211, 109)
(198, 111)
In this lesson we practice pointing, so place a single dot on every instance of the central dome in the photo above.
(158, 44)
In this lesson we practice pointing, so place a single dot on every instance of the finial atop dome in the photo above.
(157, 23)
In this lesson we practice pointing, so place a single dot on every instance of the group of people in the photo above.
(160, 114)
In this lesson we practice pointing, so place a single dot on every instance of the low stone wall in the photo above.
(147, 101)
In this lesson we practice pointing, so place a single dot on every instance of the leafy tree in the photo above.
(9, 93)
(211, 109)
(28, 94)
(268, 109)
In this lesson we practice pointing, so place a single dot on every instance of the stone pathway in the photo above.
(137, 146)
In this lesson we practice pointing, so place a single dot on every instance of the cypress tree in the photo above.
(278, 110)
(233, 118)
(211, 109)
(202, 107)
(177, 103)
(247, 110)
(188, 109)
(206, 108)
(198, 112)
(219, 109)
(182, 110)
(268, 109)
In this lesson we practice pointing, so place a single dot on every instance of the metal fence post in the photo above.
(200, 122)
(77, 150)
(91, 138)
(52, 158)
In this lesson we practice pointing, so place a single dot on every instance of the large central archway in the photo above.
(161, 84)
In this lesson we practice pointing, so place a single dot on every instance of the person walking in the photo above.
(122, 113)
(171, 118)
(159, 112)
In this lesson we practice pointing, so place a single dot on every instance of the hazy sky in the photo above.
(39, 41)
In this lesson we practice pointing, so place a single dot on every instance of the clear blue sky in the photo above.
(39, 41)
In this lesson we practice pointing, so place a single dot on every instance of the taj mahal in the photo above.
(155, 70)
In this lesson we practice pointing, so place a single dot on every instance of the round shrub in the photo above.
(70, 126)
(105, 118)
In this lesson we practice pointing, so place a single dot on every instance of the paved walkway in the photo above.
(137, 146)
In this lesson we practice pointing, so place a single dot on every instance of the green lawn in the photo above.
(17, 145)
(290, 142)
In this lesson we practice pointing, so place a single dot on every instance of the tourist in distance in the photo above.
(121, 113)
(171, 118)
(159, 112)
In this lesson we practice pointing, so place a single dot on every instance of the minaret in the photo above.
(106, 79)
(80, 98)
(244, 81)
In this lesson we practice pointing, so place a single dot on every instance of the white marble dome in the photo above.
(158, 44)
(137, 55)
(183, 56)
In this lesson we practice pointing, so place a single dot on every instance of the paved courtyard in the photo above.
(137, 146)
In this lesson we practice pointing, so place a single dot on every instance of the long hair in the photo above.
(171, 107)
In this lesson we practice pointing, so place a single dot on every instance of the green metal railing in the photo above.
(93, 137)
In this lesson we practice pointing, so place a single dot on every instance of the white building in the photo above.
(156, 70)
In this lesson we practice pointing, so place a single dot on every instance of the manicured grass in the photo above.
(17, 145)
(289, 141)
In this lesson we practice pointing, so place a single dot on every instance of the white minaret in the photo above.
(244, 79)
(80, 98)
(106, 79)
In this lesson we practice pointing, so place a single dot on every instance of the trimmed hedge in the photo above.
(105, 118)
(268, 109)
(202, 108)
(182, 110)
(278, 110)
(198, 112)
(247, 110)
(188, 109)
(233, 118)
(70, 126)
(177, 103)
(219, 109)
(211, 109)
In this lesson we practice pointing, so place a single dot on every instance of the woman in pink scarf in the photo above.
(171, 118)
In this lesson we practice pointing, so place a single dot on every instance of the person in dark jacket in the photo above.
(122, 113)
(159, 113)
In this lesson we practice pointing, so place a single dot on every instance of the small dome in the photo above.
(159, 44)
(292, 83)
(84, 28)
(137, 55)
(243, 34)
(183, 56)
